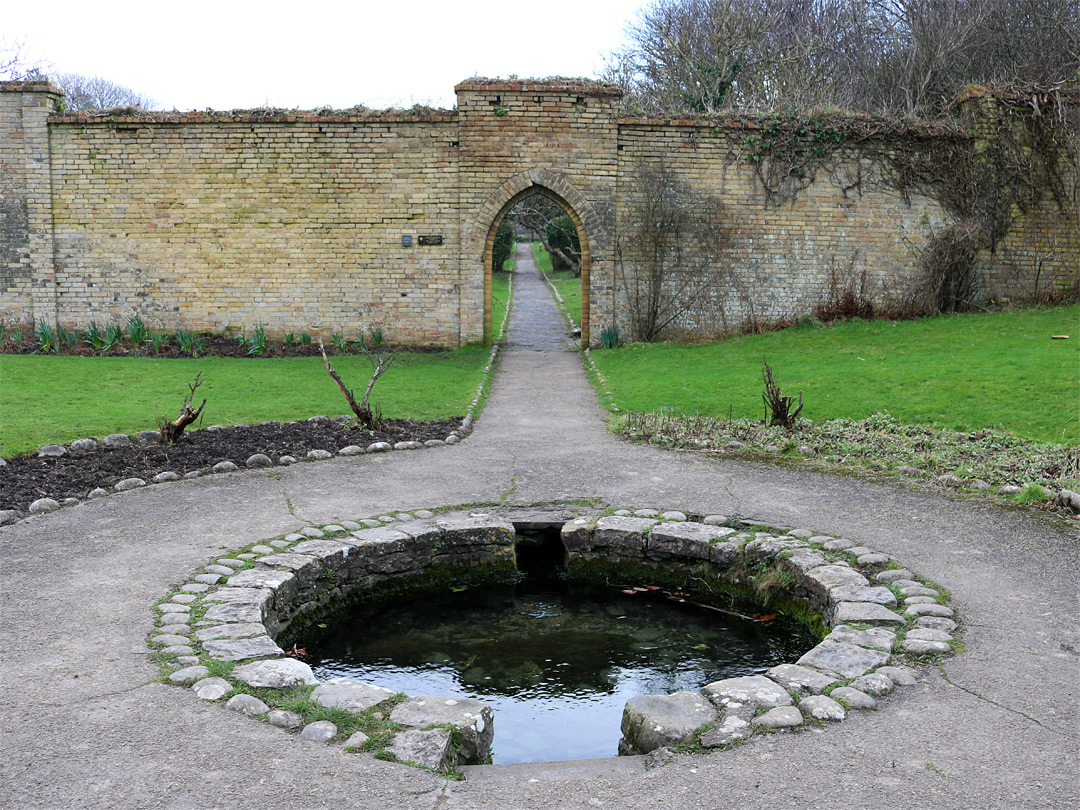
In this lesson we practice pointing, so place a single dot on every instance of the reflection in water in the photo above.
(556, 664)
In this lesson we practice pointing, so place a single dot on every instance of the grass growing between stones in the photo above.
(967, 373)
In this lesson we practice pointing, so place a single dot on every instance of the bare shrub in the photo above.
(172, 431)
(668, 260)
(950, 278)
(778, 408)
(848, 294)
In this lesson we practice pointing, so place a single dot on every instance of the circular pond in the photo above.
(556, 661)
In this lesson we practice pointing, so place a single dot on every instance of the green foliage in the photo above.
(376, 336)
(46, 399)
(137, 331)
(1033, 493)
(257, 342)
(94, 336)
(67, 337)
(114, 337)
(159, 341)
(190, 343)
(965, 372)
(711, 84)
(305, 339)
(46, 338)
(609, 337)
(341, 345)
(789, 150)
(562, 236)
(504, 245)
(289, 338)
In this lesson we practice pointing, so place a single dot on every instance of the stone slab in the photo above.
(280, 673)
(241, 648)
(349, 694)
(795, 678)
(430, 748)
(650, 722)
(473, 719)
(753, 690)
(845, 660)
(866, 613)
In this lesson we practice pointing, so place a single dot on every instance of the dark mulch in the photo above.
(26, 478)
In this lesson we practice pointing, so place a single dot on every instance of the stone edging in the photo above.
(258, 460)
(558, 297)
(233, 609)
(601, 382)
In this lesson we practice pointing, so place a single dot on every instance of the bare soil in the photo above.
(26, 478)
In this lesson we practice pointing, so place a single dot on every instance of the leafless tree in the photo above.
(95, 93)
(535, 215)
(902, 57)
(668, 257)
(14, 65)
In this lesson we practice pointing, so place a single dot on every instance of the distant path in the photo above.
(536, 324)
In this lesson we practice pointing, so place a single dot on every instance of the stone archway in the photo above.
(557, 188)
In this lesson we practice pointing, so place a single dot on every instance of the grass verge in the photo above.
(45, 399)
(965, 373)
(49, 399)
(568, 285)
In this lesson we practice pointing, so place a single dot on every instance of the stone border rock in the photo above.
(880, 616)
(256, 461)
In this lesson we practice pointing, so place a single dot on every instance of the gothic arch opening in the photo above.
(489, 245)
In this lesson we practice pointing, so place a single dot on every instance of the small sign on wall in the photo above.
(431, 239)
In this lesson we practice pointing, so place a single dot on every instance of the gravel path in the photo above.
(85, 724)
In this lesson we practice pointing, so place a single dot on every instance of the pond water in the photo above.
(556, 662)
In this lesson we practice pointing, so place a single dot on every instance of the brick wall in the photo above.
(27, 290)
(779, 255)
(295, 221)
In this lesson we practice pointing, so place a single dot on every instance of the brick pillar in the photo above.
(27, 277)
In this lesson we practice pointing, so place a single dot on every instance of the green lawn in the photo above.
(500, 296)
(568, 285)
(963, 372)
(45, 399)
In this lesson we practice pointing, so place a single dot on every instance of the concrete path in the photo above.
(535, 322)
(85, 724)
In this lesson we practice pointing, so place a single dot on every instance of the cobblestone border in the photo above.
(880, 614)
(256, 461)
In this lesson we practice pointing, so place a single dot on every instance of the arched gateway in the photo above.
(338, 220)
(559, 190)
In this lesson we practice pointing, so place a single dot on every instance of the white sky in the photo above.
(229, 54)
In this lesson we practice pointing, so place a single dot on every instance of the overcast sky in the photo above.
(229, 54)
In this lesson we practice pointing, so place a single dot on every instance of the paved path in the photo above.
(535, 322)
(85, 724)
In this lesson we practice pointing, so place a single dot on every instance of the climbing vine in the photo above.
(1006, 152)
